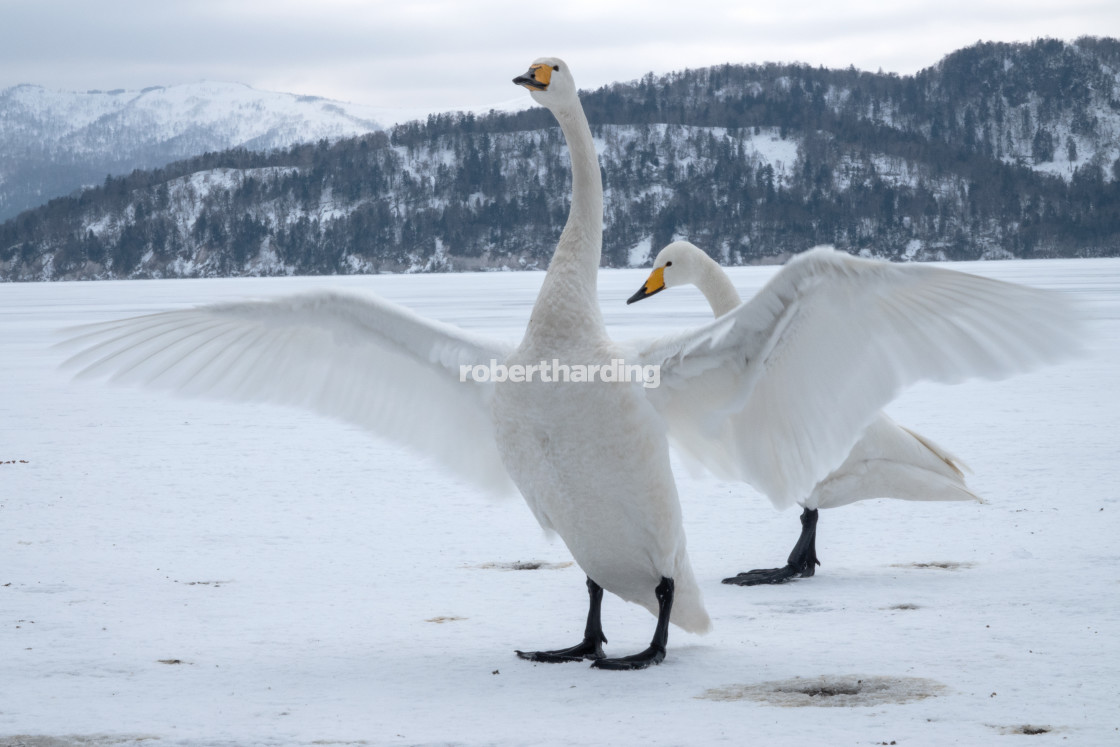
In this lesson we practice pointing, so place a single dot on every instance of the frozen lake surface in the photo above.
(178, 571)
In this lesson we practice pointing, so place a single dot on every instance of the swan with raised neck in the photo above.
(591, 457)
(570, 289)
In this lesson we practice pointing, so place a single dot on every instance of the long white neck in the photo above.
(716, 286)
(568, 303)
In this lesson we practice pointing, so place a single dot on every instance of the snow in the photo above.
(61, 112)
(640, 253)
(243, 115)
(774, 150)
(197, 573)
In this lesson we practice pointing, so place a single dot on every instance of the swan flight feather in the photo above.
(358, 358)
(810, 360)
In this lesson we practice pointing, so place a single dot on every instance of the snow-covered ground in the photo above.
(196, 573)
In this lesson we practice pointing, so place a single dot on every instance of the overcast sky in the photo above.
(432, 54)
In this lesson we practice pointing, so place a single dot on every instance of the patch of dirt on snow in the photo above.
(441, 620)
(904, 606)
(836, 691)
(1025, 729)
(524, 565)
(944, 565)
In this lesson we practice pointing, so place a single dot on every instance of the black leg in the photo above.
(593, 639)
(656, 651)
(802, 562)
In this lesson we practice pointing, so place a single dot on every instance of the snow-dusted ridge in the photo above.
(53, 142)
(233, 112)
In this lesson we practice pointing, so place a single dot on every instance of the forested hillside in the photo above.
(999, 150)
(54, 142)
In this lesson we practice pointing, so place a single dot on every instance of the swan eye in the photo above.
(669, 264)
(556, 68)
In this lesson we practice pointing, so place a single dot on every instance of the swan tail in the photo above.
(884, 479)
(688, 612)
(951, 460)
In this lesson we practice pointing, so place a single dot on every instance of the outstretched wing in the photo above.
(777, 391)
(358, 358)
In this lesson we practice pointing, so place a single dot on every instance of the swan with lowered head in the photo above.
(888, 461)
(591, 456)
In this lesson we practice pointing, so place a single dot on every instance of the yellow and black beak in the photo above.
(537, 79)
(655, 283)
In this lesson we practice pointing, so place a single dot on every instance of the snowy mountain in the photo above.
(53, 142)
(1000, 150)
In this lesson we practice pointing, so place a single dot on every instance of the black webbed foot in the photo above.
(655, 654)
(802, 562)
(593, 639)
(652, 655)
(760, 576)
(587, 649)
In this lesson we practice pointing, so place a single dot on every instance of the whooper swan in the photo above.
(888, 461)
(591, 457)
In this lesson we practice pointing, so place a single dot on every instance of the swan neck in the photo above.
(583, 233)
(717, 287)
(568, 304)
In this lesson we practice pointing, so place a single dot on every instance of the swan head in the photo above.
(550, 82)
(679, 263)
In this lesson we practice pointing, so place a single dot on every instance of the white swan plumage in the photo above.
(591, 459)
(777, 392)
(888, 460)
